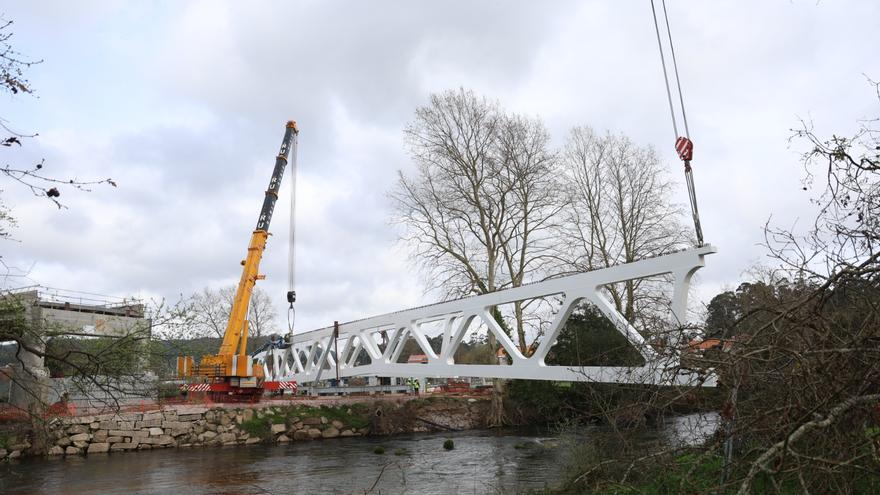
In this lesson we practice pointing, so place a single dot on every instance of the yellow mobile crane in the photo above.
(231, 375)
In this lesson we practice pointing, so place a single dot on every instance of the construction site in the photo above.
(568, 248)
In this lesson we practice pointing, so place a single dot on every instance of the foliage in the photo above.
(448, 444)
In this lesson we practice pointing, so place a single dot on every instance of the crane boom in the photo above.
(231, 370)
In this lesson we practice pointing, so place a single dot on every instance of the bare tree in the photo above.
(479, 211)
(33, 177)
(211, 308)
(621, 211)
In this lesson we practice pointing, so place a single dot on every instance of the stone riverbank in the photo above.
(186, 426)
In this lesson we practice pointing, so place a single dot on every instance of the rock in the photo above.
(189, 417)
(151, 423)
(126, 425)
(77, 429)
(251, 441)
(225, 420)
(210, 427)
(337, 424)
(155, 432)
(311, 421)
(238, 418)
(123, 446)
(81, 437)
(226, 438)
(314, 433)
(207, 435)
(20, 446)
(62, 442)
(163, 440)
(121, 433)
(330, 433)
(283, 439)
(247, 414)
(2, 453)
(276, 429)
(176, 432)
(209, 416)
(80, 445)
(153, 416)
(56, 450)
(346, 433)
(298, 425)
(323, 420)
(98, 447)
(177, 425)
(144, 446)
(301, 435)
(99, 436)
(68, 451)
(94, 426)
(113, 439)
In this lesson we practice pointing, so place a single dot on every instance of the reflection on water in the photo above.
(498, 461)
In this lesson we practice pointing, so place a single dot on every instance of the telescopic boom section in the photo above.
(235, 338)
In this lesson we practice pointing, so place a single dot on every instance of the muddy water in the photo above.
(496, 461)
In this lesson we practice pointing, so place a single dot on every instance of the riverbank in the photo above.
(191, 426)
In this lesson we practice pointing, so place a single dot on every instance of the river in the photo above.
(484, 461)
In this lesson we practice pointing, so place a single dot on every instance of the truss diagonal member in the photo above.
(458, 318)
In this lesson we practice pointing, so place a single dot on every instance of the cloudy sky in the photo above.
(183, 105)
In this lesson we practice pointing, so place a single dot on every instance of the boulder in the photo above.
(311, 421)
(283, 439)
(324, 420)
(56, 450)
(226, 438)
(76, 429)
(207, 435)
(81, 437)
(98, 447)
(253, 440)
(121, 433)
(301, 435)
(123, 446)
(113, 439)
(63, 442)
(80, 445)
(337, 424)
(314, 433)
(330, 433)
(99, 436)
(155, 432)
(247, 414)
(276, 429)
(68, 451)
(346, 433)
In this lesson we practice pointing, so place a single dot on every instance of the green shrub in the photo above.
(448, 444)
(258, 427)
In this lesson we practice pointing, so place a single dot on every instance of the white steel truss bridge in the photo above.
(372, 346)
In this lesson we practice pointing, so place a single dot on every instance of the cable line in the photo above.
(683, 144)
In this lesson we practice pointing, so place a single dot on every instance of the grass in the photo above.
(379, 450)
(448, 444)
(258, 427)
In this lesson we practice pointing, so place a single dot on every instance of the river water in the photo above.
(486, 461)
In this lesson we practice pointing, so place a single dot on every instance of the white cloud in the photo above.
(183, 105)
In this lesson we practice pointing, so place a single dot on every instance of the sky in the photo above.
(183, 105)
